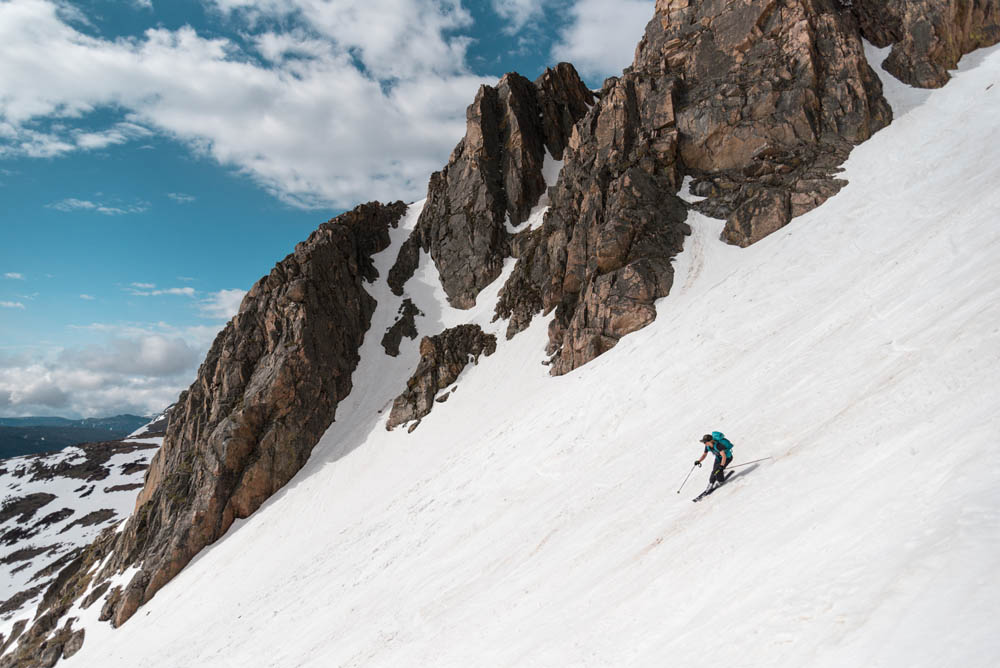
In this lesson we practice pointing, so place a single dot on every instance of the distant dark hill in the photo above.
(31, 435)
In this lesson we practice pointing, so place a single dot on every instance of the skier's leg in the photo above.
(717, 472)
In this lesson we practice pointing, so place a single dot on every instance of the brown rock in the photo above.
(494, 176)
(765, 211)
(928, 37)
(442, 359)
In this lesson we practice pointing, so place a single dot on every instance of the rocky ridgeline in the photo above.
(758, 101)
(494, 176)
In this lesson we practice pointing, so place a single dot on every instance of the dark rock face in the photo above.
(928, 37)
(494, 175)
(404, 326)
(442, 359)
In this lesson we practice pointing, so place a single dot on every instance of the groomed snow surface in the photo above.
(535, 521)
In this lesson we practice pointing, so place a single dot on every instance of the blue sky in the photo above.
(157, 158)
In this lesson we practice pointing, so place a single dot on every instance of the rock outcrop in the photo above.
(759, 100)
(771, 98)
(928, 37)
(405, 326)
(442, 359)
(494, 176)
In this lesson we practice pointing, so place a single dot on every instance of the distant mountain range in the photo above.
(31, 435)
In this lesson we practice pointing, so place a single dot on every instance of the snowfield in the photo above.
(535, 521)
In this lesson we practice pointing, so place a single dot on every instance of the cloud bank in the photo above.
(323, 104)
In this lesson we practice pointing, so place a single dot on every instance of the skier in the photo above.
(718, 445)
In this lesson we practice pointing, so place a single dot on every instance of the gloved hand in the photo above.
(697, 463)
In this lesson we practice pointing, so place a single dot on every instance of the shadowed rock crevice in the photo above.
(494, 176)
(442, 359)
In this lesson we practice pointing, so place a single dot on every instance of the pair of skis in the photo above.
(712, 487)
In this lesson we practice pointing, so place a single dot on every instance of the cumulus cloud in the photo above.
(517, 13)
(358, 99)
(149, 355)
(139, 368)
(601, 36)
(222, 305)
(72, 204)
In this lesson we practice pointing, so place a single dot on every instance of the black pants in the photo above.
(718, 471)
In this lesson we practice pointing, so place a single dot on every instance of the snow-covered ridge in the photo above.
(533, 521)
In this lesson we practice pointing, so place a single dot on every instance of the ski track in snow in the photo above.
(533, 521)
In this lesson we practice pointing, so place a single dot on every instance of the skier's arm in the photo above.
(725, 460)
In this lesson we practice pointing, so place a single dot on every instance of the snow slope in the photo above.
(535, 521)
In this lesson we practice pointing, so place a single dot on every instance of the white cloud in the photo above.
(119, 134)
(72, 204)
(12, 305)
(14, 275)
(517, 13)
(144, 290)
(181, 198)
(361, 100)
(88, 298)
(139, 368)
(601, 37)
(223, 304)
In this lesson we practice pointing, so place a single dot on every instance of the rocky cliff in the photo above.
(265, 394)
(493, 179)
(756, 102)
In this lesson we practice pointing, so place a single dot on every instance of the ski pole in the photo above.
(686, 479)
(748, 463)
